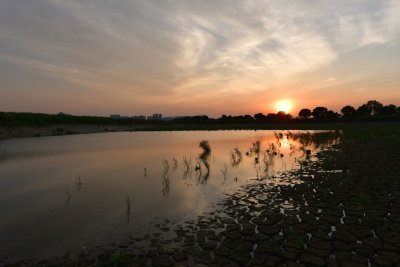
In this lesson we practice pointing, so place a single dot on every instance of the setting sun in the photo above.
(284, 105)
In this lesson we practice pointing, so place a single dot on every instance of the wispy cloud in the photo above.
(189, 49)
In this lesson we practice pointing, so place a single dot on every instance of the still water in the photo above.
(63, 193)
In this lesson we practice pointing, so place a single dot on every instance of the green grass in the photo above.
(360, 130)
(40, 119)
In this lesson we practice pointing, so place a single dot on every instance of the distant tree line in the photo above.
(372, 108)
(371, 111)
(42, 119)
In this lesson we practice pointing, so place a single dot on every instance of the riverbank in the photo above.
(7, 132)
(341, 210)
(67, 129)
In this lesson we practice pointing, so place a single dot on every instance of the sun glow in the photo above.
(284, 105)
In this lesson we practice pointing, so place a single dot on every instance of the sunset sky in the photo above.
(193, 57)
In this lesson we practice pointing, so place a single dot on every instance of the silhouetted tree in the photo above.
(348, 111)
(240, 118)
(200, 117)
(318, 112)
(389, 110)
(330, 114)
(248, 117)
(305, 113)
(283, 116)
(197, 118)
(362, 110)
(259, 117)
(374, 107)
(271, 117)
(398, 111)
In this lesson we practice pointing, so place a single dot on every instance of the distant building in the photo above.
(115, 116)
(139, 117)
(155, 117)
(172, 118)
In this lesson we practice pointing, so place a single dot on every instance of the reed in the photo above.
(128, 204)
(69, 196)
(236, 157)
(224, 172)
(78, 184)
(175, 163)
(166, 166)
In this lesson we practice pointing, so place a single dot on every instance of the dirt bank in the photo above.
(51, 130)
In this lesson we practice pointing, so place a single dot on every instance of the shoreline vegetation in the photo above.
(17, 131)
(371, 114)
(21, 131)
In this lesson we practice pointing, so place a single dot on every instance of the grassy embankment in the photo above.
(14, 124)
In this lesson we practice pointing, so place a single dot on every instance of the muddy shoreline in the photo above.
(56, 130)
(345, 211)
(7, 132)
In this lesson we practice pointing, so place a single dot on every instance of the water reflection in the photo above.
(78, 184)
(285, 148)
(187, 166)
(128, 203)
(68, 197)
(185, 173)
(224, 172)
(175, 163)
(236, 157)
(203, 160)
(165, 179)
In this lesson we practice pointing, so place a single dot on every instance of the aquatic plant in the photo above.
(69, 196)
(204, 159)
(236, 157)
(197, 166)
(272, 149)
(205, 146)
(187, 164)
(175, 163)
(165, 185)
(268, 164)
(256, 147)
(187, 167)
(205, 155)
(224, 172)
(166, 166)
(78, 184)
(202, 173)
(165, 179)
(204, 176)
(128, 204)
